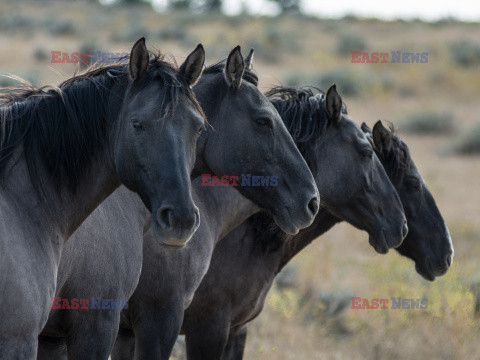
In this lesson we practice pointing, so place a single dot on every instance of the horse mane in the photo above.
(303, 111)
(64, 126)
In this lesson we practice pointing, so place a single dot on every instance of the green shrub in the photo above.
(40, 54)
(468, 142)
(272, 43)
(60, 27)
(15, 22)
(177, 33)
(30, 75)
(7, 82)
(465, 53)
(88, 46)
(345, 81)
(447, 20)
(428, 122)
(131, 34)
(350, 42)
(280, 39)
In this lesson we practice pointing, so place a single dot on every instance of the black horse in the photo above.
(64, 149)
(215, 323)
(246, 136)
(428, 242)
(164, 291)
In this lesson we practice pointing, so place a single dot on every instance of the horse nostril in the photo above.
(164, 217)
(404, 230)
(448, 260)
(313, 206)
(197, 219)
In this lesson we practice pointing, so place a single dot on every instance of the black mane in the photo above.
(303, 110)
(64, 127)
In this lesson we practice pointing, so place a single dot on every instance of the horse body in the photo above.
(158, 316)
(33, 233)
(91, 339)
(168, 285)
(216, 322)
(222, 308)
(24, 304)
(64, 151)
(174, 276)
(156, 308)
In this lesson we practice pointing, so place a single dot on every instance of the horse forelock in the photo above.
(399, 158)
(397, 161)
(248, 74)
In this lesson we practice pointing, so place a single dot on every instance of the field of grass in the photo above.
(305, 51)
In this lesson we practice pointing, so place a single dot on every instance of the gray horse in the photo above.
(347, 165)
(64, 150)
(248, 137)
(216, 322)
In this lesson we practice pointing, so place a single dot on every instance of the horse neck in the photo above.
(222, 208)
(208, 92)
(60, 208)
(65, 208)
(75, 208)
(323, 222)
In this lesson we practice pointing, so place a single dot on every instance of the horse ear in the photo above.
(249, 60)
(192, 68)
(138, 59)
(333, 103)
(382, 138)
(234, 68)
(365, 128)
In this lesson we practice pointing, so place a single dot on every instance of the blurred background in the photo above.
(434, 105)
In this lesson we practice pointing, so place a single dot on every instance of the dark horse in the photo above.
(256, 251)
(247, 137)
(64, 150)
(428, 242)
(163, 293)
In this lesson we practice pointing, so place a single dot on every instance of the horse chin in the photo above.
(285, 222)
(379, 242)
(424, 271)
(165, 240)
(171, 247)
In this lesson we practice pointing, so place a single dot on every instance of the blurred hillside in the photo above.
(434, 105)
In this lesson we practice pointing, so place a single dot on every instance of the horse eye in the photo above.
(202, 129)
(412, 183)
(263, 122)
(367, 152)
(137, 124)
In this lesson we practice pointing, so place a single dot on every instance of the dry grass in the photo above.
(342, 259)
